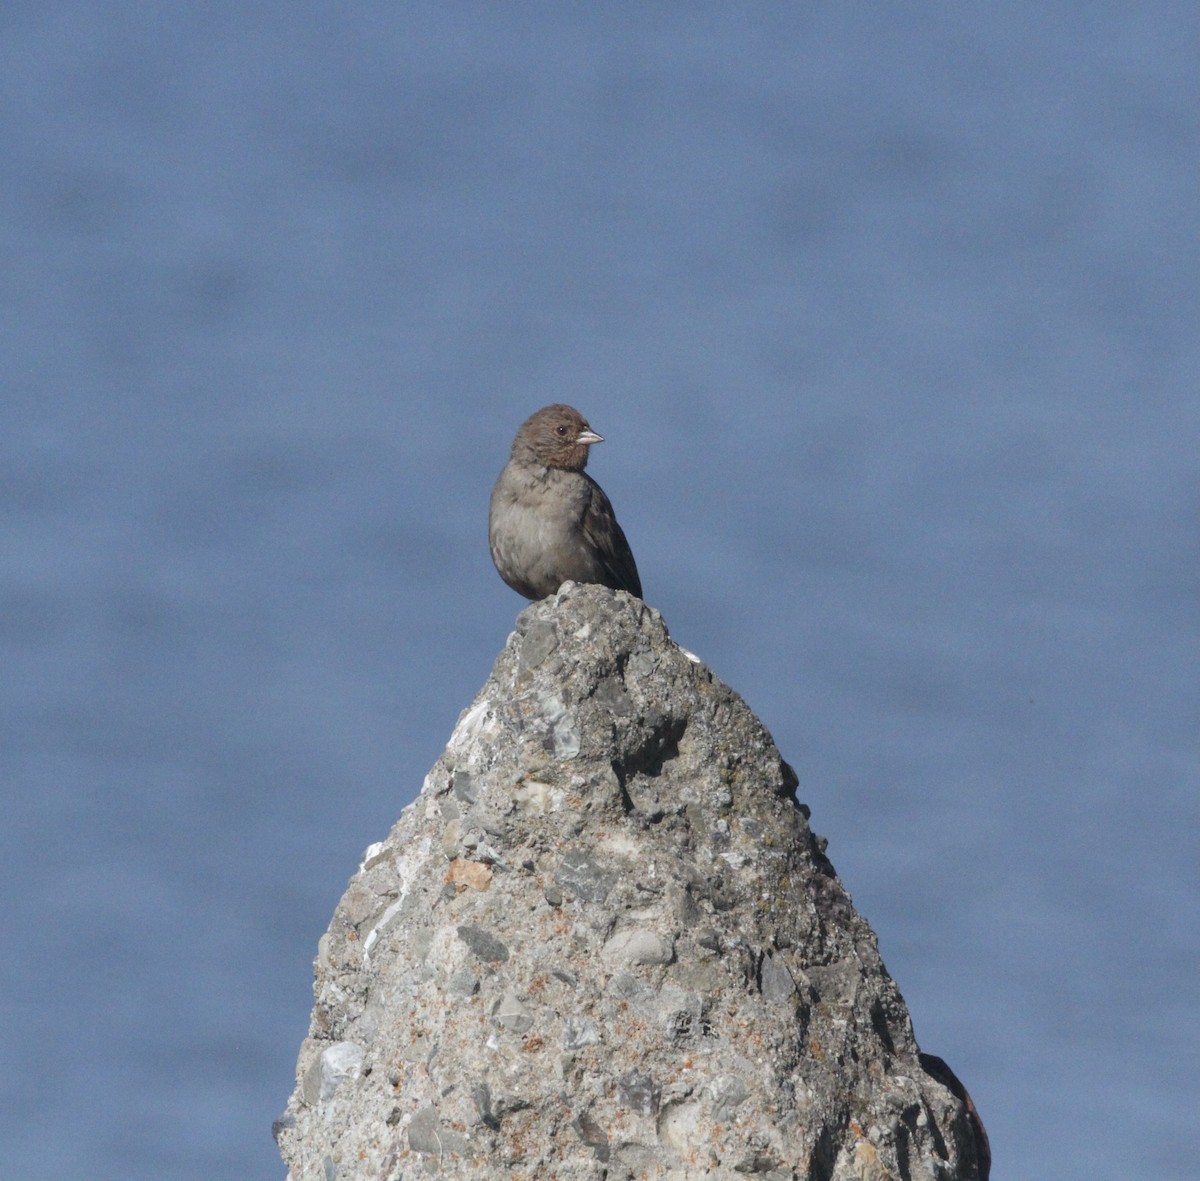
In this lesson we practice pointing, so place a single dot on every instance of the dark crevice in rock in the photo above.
(824, 1156)
(880, 1024)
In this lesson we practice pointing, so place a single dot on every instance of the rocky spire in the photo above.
(603, 943)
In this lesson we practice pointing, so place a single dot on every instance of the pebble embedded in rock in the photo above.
(485, 945)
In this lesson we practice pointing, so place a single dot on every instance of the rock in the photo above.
(578, 1032)
(638, 947)
(337, 1064)
(604, 943)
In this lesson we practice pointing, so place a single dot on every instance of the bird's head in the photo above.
(556, 436)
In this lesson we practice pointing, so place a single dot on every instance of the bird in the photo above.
(548, 520)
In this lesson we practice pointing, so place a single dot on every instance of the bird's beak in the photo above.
(588, 437)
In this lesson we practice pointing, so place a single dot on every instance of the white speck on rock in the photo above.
(535, 796)
(342, 1061)
(370, 853)
(472, 724)
(564, 735)
(373, 934)
(407, 869)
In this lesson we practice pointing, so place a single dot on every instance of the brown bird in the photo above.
(549, 521)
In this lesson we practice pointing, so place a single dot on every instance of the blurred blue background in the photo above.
(889, 316)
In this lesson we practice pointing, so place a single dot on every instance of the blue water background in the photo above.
(889, 315)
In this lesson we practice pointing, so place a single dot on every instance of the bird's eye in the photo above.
(562, 430)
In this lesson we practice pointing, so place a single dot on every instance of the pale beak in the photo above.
(588, 437)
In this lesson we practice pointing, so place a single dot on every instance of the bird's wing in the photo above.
(608, 540)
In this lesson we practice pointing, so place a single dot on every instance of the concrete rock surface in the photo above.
(603, 943)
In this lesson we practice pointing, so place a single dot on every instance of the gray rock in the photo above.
(592, 1134)
(638, 947)
(638, 1092)
(463, 984)
(482, 1098)
(464, 789)
(427, 1134)
(339, 1063)
(728, 1092)
(485, 945)
(603, 942)
(775, 980)
(680, 1014)
(579, 1032)
(584, 876)
(512, 1015)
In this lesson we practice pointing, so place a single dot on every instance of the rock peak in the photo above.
(604, 943)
